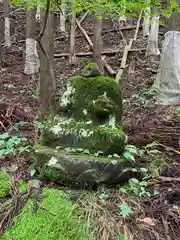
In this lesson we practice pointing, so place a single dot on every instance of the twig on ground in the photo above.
(82, 19)
(126, 50)
(168, 179)
(2, 125)
(169, 148)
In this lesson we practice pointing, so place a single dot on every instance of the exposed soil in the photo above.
(143, 124)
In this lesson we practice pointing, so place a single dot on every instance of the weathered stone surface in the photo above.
(89, 117)
(71, 168)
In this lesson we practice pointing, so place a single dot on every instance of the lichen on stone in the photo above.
(66, 98)
(106, 138)
(5, 184)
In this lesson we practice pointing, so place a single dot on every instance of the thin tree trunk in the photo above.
(63, 17)
(146, 23)
(7, 35)
(38, 14)
(32, 58)
(72, 57)
(152, 48)
(97, 47)
(1, 47)
(47, 77)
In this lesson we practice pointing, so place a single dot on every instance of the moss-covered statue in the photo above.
(89, 118)
(89, 115)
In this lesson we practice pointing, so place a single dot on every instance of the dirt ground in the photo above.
(143, 124)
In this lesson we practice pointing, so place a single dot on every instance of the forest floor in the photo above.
(153, 217)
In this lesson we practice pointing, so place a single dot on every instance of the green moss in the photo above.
(91, 70)
(82, 156)
(109, 138)
(90, 116)
(55, 220)
(23, 186)
(5, 184)
(82, 92)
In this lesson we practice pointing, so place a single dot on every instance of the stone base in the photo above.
(81, 169)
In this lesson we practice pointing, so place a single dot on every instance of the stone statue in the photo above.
(89, 119)
(89, 115)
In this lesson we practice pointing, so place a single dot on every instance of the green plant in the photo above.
(130, 152)
(12, 145)
(149, 148)
(103, 196)
(138, 187)
(124, 210)
(122, 237)
(56, 218)
(5, 184)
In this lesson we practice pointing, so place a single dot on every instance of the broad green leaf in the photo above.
(129, 156)
(134, 181)
(32, 172)
(125, 210)
(123, 190)
(144, 170)
(4, 136)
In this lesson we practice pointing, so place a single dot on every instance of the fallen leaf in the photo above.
(148, 221)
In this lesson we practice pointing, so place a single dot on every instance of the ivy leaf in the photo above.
(131, 149)
(129, 156)
(2, 152)
(134, 181)
(32, 172)
(123, 190)
(116, 155)
(144, 170)
(4, 136)
(2, 143)
(86, 151)
(124, 210)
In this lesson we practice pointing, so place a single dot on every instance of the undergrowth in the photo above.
(55, 219)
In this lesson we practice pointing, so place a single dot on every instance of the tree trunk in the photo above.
(168, 78)
(97, 42)
(72, 56)
(32, 58)
(63, 17)
(47, 77)
(1, 47)
(7, 35)
(152, 48)
(146, 22)
(38, 14)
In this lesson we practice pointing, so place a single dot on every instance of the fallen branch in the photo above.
(105, 52)
(118, 30)
(89, 33)
(126, 51)
(85, 34)
(169, 148)
(82, 19)
(105, 64)
(168, 179)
